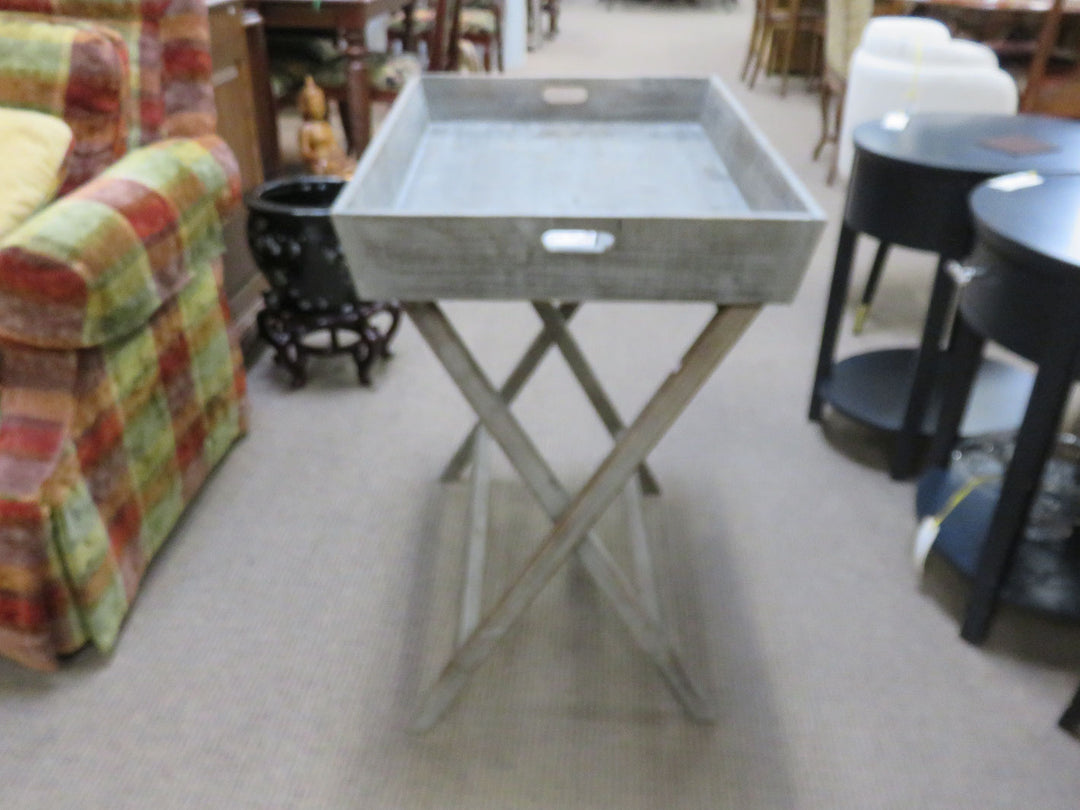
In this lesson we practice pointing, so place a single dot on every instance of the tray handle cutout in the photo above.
(574, 240)
(565, 95)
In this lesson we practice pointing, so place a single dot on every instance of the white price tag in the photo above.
(1016, 181)
(895, 121)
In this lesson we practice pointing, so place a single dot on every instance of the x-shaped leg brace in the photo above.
(573, 517)
(556, 330)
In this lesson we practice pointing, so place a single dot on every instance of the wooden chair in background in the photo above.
(479, 22)
(297, 53)
(844, 24)
(1045, 91)
(777, 28)
(549, 7)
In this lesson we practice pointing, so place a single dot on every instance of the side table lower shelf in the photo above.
(1045, 574)
(874, 388)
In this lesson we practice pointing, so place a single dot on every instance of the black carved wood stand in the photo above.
(312, 307)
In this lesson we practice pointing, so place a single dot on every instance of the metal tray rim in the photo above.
(343, 205)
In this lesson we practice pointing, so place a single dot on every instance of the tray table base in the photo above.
(556, 320)
(573, 517)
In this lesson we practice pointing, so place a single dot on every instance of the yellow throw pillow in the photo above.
(34, 150)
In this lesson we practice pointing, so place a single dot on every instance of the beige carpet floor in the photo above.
(281, 641)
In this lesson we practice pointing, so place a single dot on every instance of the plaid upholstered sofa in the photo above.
(121, 386)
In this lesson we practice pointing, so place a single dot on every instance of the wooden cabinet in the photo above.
(237, 118)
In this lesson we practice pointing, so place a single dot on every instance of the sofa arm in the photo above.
(95, 264)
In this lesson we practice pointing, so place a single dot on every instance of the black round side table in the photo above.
(311, 307)
(909, 186)
(1023, 294)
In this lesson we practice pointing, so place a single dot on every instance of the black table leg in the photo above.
(960, 366)
(1034, 443)
(834, 310)
(903, 462)
(870, 290)
(1070, 720)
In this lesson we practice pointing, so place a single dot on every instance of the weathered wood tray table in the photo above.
(560, 191)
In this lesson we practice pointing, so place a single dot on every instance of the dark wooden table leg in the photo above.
(904, 461)
(961, 365)
(265, 107)
(1070, 719)
(409, 34)
(357, 89)
(834, 310)
(1034, 444)
(870, 290)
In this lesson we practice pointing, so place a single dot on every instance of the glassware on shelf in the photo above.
(1055, 511)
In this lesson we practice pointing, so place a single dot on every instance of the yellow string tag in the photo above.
(930, 525)
(912, 95)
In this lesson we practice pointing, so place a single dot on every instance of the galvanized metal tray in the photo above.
(574, 189)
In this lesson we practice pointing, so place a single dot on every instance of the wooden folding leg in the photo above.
(556, 331)
(509, 391)
(476, 540)
(641, 556)
(573, 517)
(555, 325)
